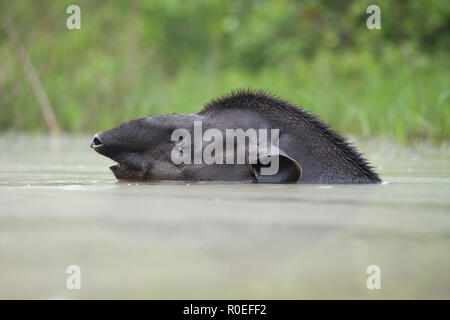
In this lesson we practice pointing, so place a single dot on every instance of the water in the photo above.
(60, 206)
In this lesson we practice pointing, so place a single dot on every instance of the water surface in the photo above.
(61, 206)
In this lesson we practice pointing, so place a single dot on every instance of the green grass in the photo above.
(111, 71)
(403, 98)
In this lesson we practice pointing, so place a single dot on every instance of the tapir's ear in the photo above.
(265, 170)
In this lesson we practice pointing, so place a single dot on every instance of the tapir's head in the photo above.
(144, 150)
(306, 150)
(142, 147)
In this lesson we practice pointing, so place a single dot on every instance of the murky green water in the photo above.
(60, 206)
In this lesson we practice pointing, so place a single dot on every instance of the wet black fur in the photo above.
(278, 108)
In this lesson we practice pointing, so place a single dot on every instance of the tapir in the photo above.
(307, 150)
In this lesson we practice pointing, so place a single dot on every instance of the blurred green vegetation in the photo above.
(149, 57)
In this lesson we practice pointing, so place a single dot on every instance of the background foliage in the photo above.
(133, 59)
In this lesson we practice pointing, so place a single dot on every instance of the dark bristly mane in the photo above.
(263, 101)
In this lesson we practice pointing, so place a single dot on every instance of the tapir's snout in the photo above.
(117, 144)
(96, 143)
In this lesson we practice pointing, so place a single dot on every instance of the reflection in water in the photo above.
(60, 205)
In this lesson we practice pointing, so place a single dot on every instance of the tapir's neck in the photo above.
(324, 161)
